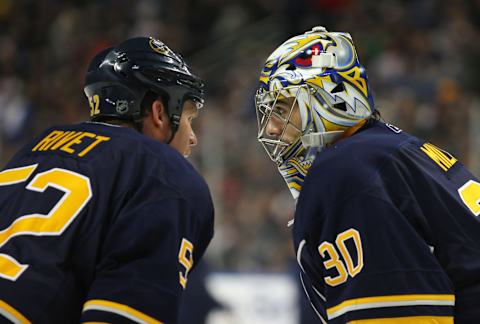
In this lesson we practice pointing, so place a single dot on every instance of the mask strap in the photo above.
(319, 140)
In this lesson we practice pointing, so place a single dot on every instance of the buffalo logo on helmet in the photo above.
(159, 47)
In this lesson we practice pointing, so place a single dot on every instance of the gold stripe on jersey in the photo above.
(12, 314)
(119, 309)
(389, 301)
(407, 320)
(444, 159)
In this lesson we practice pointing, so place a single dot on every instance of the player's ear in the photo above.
(159, 114)
(156, 123)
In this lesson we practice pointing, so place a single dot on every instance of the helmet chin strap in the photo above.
(319, 139)
(175, 124)
(171, 138)
(315, 142)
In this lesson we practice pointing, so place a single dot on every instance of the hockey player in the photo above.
(103, 221)
(386, 227)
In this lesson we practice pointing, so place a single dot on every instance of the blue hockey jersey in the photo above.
(99, 224)
(387, 230)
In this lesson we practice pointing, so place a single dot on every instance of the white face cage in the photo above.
(278, 145)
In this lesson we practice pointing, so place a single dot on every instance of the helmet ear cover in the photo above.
(126, 108)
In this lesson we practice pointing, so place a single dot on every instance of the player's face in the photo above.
(284, 118)
(185, 137)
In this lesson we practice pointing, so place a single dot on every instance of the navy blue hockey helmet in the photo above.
(118, 79)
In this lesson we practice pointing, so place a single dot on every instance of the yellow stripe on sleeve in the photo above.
(119, 309)
(12, 314)
(389, 301)
(407, 320)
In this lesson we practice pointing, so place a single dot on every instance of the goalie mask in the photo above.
(312, 89)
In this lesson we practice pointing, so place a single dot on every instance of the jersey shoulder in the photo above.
(110, 154)
(159, 169)
(350, 167)
(351, 163)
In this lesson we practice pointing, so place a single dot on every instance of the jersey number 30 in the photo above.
(347, 268)
(77, 193)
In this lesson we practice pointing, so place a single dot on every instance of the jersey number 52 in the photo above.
(77, 193)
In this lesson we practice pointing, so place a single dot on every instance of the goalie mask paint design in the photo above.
(312, 89)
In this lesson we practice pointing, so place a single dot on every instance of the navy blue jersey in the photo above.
(387, 227)
(99, 224)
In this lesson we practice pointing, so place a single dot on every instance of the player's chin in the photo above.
(187, 153)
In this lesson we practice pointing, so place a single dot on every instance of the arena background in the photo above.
(422, 58)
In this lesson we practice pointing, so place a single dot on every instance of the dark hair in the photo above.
(149, 98)
(146, 105)
(375, 116)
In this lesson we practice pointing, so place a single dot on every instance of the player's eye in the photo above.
(280, 111)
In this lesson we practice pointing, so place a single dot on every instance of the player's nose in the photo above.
(192, 141)
(274, 127)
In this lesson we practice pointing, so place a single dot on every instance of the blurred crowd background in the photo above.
(422, 57)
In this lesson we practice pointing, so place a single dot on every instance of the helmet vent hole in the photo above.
(338, 88)
(340, 105)
(122, 57)
(291, 67)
